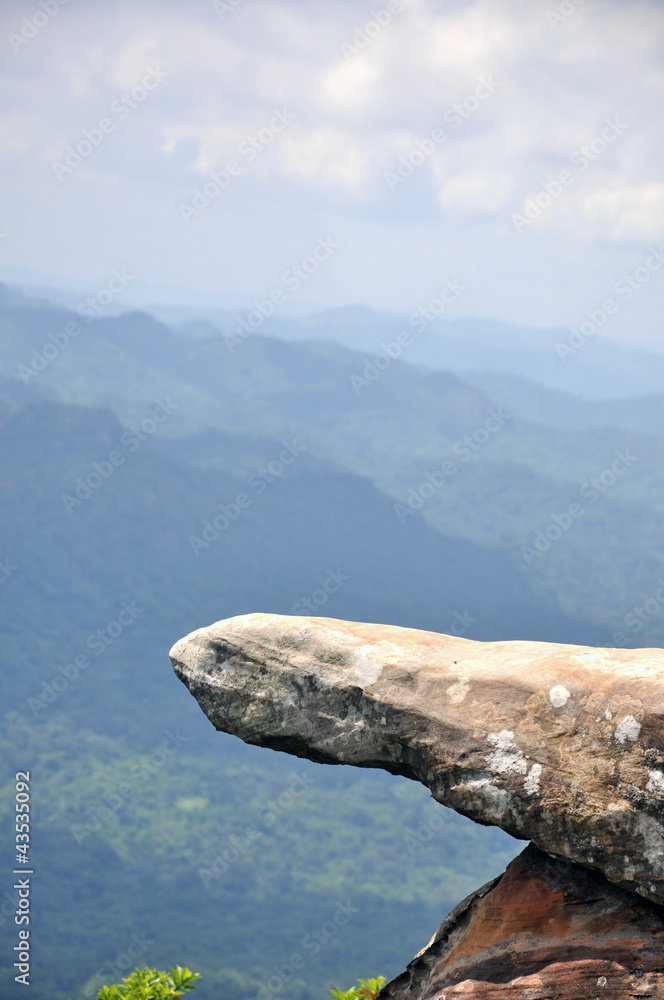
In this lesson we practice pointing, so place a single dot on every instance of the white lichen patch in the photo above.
(532, 780)
(367, 668)
(628, 729)
(608, 714)
(629, 871)
(457, 692)
(653, 843)
(505, 759)
(370, 659)
(497, 802)
(559, 696)
(594, 658)
(502, 740)
(655, 783)
(649, 663)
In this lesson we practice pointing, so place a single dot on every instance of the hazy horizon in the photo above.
(509, 147)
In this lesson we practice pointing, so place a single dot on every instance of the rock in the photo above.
(561, 745)
(545, 929)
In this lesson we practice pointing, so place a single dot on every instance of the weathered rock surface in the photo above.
(561, 745)
(545, 929)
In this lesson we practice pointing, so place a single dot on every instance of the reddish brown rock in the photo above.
(561, 745)
(545, 929)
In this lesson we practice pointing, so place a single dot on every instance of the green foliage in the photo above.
(367, 990)
(141, 835)
(157, 843)
(147, 984)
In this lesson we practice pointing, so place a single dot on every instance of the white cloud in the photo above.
(626, 213)
(476, 191)
(354, 117)
(326, 156)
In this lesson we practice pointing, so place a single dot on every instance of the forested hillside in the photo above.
(152, 484)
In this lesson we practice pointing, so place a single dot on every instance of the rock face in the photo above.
(561, 745)
(545, 929)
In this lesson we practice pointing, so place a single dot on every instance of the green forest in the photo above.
(158, 841)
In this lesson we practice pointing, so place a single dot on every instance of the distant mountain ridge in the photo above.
(535, 402)
(492, 467)
(600, 368)
(146, 473)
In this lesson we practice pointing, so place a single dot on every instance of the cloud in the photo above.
(626, 213)
(356, 113)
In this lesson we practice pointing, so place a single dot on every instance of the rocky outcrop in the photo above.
(561, 745)
(545, 929)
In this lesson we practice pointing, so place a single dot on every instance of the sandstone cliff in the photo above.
(559, 745)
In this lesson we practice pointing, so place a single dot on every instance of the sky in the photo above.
(375, 150)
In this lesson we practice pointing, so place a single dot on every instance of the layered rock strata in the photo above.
(545, 930)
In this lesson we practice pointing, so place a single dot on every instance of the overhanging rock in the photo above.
(562, 745)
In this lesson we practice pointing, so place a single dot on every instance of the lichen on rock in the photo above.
(561, 745)
(557, 744)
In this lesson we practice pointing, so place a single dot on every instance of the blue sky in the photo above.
(417, 136)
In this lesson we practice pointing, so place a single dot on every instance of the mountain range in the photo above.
(156, 478)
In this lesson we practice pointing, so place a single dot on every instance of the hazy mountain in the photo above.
(591, 366)
(153, 481)
(508, 480)
(599, 368)
(108, 563)
(559, 409)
